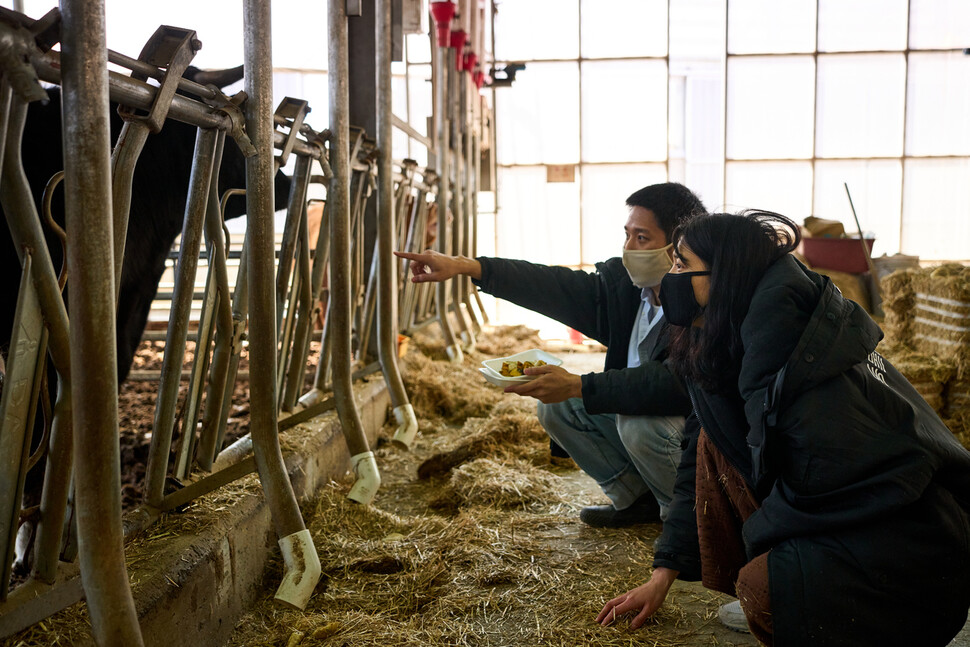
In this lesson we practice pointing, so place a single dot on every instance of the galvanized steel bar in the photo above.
(222, 319)
(386, 267)
(262, 321)
(26, 353)
(130, 143)
(178, 325)
(338, 198)
(92, 305)
(442, 69)
(26, 232)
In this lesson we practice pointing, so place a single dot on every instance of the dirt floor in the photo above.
(136, 414)
(474, 537)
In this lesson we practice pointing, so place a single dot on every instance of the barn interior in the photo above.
(242, 423)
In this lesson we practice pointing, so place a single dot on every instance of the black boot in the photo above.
(644, 510)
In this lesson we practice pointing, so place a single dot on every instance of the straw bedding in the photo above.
(486, 549)
(474, 539)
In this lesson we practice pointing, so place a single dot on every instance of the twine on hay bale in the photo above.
(957, 398)
(941, 316)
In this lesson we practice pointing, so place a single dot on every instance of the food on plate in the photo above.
(517, 369)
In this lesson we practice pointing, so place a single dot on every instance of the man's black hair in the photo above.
(672, 204)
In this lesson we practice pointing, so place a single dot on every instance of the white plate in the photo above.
(498, 380)
(493, 367)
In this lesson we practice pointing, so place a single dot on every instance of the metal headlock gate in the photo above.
(271, 306)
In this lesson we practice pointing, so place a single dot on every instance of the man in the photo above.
(622, 426)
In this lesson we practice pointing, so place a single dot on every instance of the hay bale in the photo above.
(852, 286)
(941, 319)
(957, 398)
(928, 374)
(898, 303)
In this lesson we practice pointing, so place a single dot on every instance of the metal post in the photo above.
(178, 325)
(455, 116)
(441, 71)
(262, 297)
(338, 320)
(386, 233)
(92, 306)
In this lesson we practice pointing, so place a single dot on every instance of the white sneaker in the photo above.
(732, 617)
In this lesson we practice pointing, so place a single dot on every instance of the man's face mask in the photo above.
(678, 300)
(647, 267)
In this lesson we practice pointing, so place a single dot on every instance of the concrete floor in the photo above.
(593, 361)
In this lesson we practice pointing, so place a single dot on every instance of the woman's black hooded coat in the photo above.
(864, 491)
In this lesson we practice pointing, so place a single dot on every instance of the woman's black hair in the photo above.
(737, 250)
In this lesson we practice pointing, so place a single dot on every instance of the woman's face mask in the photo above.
(678, 300)
(647, 267)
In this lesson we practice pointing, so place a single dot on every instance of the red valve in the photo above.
(479, 78)
(443, 12)
(458, 42)
(470, 59)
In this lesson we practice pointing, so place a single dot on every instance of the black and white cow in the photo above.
(159, 192)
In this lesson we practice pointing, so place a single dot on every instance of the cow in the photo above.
(159, 192)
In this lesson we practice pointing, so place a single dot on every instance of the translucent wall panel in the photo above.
(420, 97)
(936, 201)
(537, 29)
(624, 111)
(770, 107)
(537, 120)
(299, 33)
(769, 26)
(856, 25)
(605, 190)
(939, 24)
(704, 135)
(938, 109)
(860, 105)
(876, 187)
(697, 29)
(418, 48)
(399, 107)
(311, 86)
(624, 28)
(218, 25)
(783, 187)
(537, 221)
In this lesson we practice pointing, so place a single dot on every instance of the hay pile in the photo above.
(474, 539)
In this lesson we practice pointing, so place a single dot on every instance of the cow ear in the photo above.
(218, 78)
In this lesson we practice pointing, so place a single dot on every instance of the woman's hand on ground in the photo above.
(645, 599)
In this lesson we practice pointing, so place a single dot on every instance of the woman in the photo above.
(817, 485)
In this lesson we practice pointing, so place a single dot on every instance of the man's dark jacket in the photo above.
(603, 306)
(864, 492)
